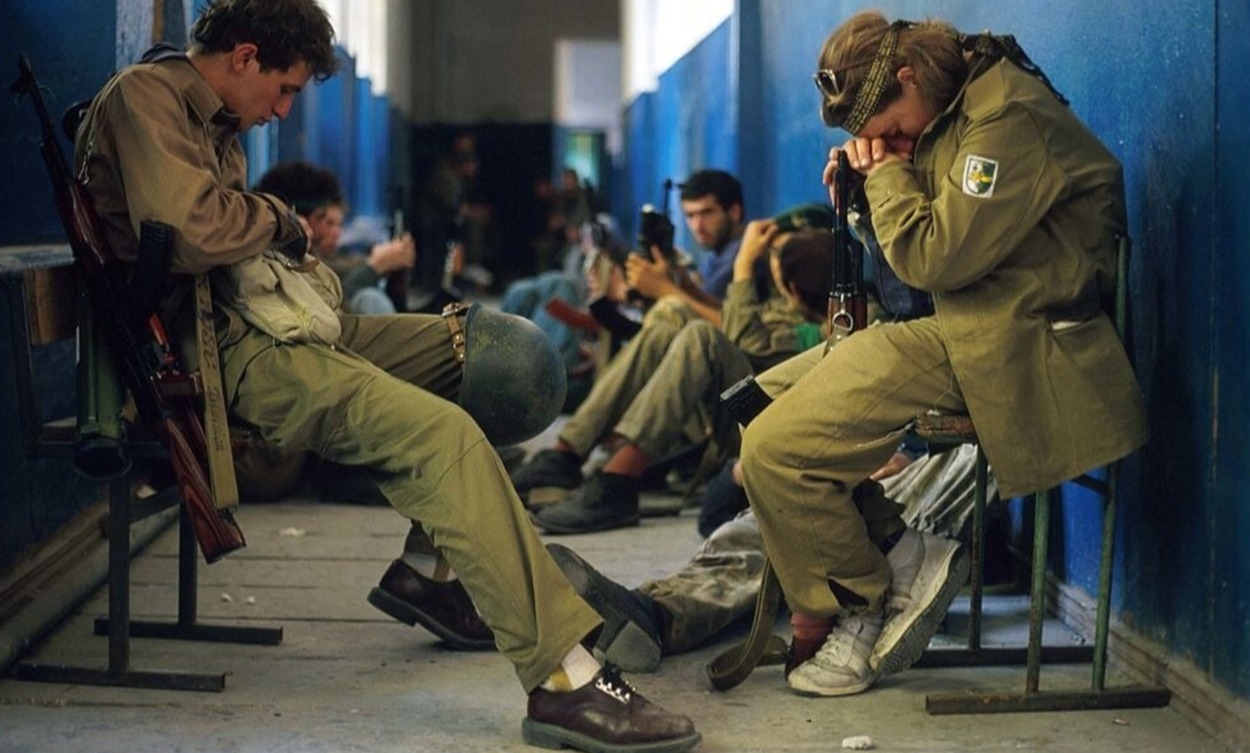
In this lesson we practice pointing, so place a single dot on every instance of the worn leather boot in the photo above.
(605, 715)
(606, 501)
(443, 608)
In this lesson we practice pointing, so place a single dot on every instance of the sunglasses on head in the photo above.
(827, 82)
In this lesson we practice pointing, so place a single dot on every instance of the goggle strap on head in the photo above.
(868, 98)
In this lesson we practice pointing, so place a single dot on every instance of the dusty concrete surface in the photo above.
(347, 678)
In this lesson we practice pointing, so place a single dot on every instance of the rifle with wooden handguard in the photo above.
(163, 392)
(848, 301)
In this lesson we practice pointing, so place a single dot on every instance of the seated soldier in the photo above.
(711, 201)
(680, 402)
(391, 394)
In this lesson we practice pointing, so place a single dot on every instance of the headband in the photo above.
(868, 98)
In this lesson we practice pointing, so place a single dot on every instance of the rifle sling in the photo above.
(217, 432)
(761, 646)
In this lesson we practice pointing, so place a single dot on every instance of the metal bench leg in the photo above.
(187, 627)
(119, 627)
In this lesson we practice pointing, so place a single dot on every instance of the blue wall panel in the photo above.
(686, 132)
(1229, 573)
(70, 45)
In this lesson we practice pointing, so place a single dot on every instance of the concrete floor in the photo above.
(347, 678)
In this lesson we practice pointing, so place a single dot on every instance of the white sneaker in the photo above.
(927, 573)
(841, 665)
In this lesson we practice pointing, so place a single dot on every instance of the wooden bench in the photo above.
(42, 310)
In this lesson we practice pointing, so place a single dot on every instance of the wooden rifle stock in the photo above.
(848, 303)
(163, 392)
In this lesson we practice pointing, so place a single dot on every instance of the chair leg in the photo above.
(977, 586)
(1103, 618)
(187, 627)
(1033, 699)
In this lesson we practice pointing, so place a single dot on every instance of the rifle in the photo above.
(655, 229)
(848, 303)
(397, 282)
(164, 393)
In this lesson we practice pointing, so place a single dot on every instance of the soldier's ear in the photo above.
(243, 54)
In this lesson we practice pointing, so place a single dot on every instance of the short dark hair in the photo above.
(284, 32)
(807, 264)
(303, 186)
(718, 183)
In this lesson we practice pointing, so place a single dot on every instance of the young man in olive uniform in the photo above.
(711, 201)
(986, 191)
(679, 404)
(160, 143)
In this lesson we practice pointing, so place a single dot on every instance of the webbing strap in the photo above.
(762, 647)
(216, 430)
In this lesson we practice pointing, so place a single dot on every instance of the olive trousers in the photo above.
(615, 390)
(839, 418)
(382, 399)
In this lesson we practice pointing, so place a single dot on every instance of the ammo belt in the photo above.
(451, 315)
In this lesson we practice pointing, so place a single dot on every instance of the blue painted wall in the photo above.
(1164, 85)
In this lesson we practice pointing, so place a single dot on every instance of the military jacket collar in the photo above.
(206, 106)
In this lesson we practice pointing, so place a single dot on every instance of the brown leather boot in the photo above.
(442, 607)
(605, 715)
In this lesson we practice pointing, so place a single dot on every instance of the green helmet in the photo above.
(514, 379)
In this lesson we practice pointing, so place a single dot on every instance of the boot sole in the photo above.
(897, 654)
(601, 525)
(552, 737)
(410, 615)
(622, 641)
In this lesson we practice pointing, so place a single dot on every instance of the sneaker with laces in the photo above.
(927, 573)
(548, 468)
(841, 665)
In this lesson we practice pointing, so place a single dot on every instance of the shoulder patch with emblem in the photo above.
(979, 176)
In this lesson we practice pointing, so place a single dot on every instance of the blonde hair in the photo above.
(931, 48)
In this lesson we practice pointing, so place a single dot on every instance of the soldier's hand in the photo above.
(758, 238)
(650, 278)
(897, 462)
(391, 256)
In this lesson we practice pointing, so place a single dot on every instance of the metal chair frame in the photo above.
(958, 429)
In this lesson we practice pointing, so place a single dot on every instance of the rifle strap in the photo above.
(216, 430)
(761, 647)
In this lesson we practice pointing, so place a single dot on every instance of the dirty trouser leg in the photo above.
(803, 456)
(434, 465)
(621, 381)
(718, 585)
(699, 365)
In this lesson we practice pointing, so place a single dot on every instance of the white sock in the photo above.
(431, 566)
(575, 670)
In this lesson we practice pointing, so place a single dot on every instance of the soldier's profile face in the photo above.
(260, 95)
(901, 122)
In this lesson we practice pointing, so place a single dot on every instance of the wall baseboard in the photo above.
(1213, 709)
